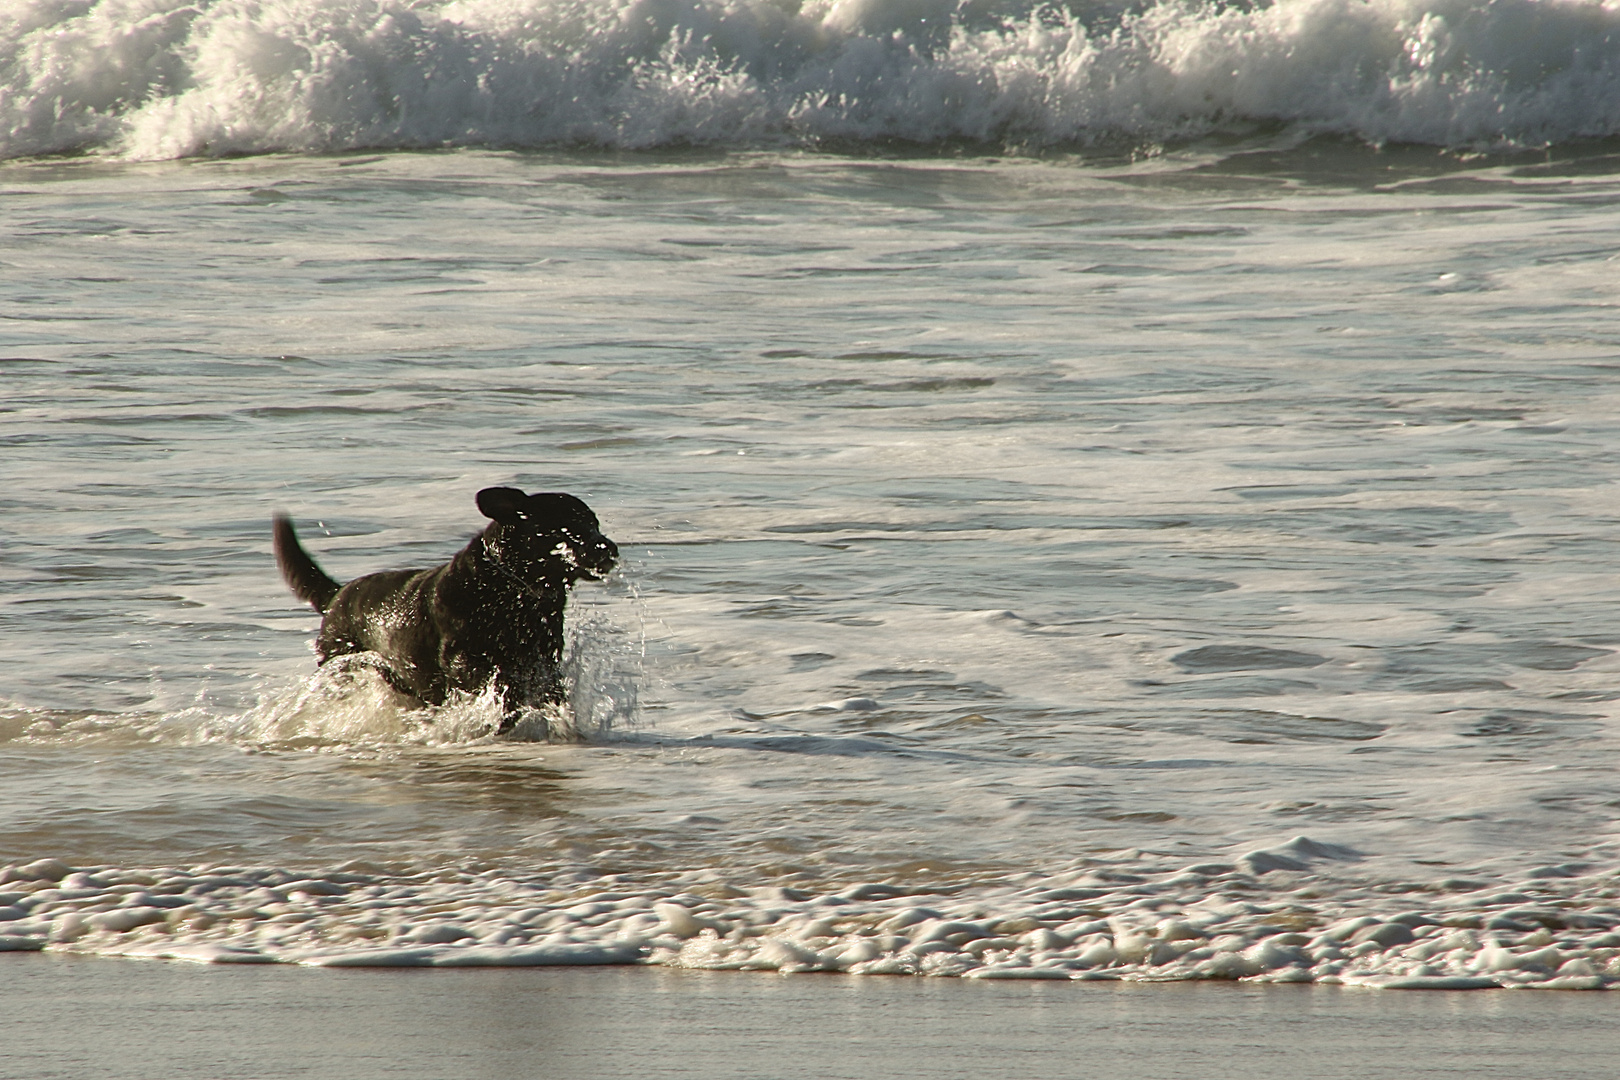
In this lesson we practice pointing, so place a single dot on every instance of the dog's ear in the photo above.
(503, 504)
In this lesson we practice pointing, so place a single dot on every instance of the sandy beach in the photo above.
(74, 1018)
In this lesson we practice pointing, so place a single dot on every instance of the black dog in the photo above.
(491, 615)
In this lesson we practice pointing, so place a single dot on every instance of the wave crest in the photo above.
(152, 79)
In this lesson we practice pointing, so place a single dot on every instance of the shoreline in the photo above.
(74, 1016)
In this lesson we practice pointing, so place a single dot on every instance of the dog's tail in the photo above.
(307, 581)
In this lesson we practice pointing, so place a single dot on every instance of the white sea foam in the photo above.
(172, 78)
(1264, 919)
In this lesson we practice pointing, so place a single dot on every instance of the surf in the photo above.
(163, 79)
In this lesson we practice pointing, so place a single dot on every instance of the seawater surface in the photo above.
(1192, 565)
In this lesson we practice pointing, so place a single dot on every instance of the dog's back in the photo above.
(401, 616)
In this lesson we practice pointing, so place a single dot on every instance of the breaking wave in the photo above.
(156, 79)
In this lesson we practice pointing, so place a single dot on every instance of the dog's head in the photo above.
(548, 535)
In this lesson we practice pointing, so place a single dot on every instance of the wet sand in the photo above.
(73, 1018)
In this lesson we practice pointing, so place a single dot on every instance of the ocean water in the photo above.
(1115, 492)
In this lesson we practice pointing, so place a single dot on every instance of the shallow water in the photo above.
(1192, 566)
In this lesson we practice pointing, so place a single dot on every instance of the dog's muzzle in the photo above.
(597, 557)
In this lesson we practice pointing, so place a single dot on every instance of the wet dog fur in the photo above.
(492, 615)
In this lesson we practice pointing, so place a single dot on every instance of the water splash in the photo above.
(603, 668)
(348, 703)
